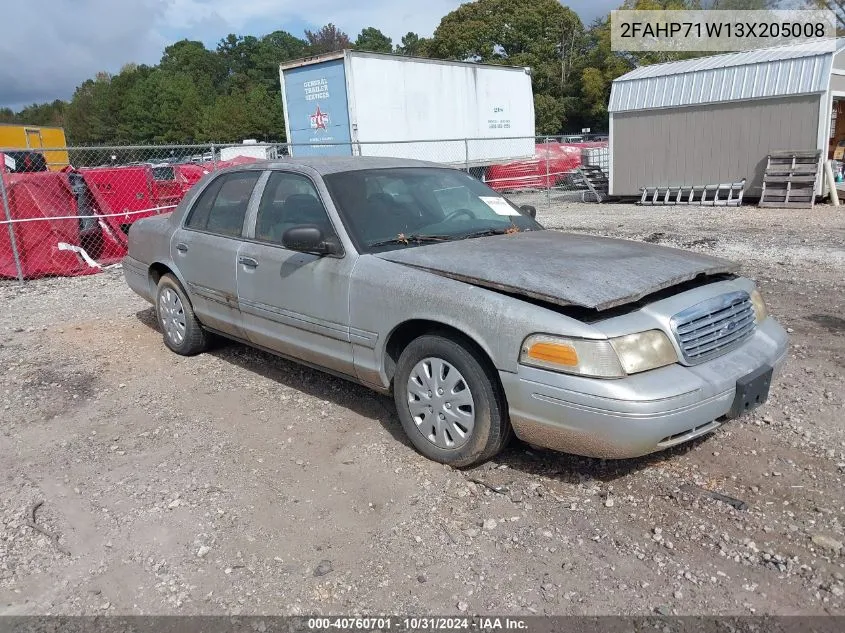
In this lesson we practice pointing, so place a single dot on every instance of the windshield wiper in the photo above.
(409, 239)
(486, 232)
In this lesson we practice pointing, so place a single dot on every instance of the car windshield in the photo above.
(402, 207)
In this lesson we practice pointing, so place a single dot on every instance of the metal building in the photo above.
(715, 119)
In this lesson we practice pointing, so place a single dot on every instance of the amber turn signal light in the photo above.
(553, 353)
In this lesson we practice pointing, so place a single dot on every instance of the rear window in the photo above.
(221, 208)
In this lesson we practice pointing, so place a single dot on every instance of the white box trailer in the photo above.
(373, 104)
(250, 149)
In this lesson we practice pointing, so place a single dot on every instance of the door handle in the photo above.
(249, 262)
(182, 248)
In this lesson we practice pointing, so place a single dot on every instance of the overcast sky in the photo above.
(48, 47)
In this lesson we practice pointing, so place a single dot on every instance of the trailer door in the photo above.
(317, 109)
(33, 138)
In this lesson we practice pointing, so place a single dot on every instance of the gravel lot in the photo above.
(235, 482)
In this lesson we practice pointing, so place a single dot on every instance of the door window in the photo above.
(221, 208)
(289, 200)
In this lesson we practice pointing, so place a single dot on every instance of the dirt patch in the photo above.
(237, 482)
(831, 323)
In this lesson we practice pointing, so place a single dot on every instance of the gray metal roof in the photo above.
(794, 69)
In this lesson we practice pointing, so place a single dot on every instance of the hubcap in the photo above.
(441, 403)
(172, 315)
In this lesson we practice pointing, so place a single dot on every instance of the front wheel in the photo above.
(449, 401)
(182, 331)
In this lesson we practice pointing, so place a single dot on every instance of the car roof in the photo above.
(333, 164)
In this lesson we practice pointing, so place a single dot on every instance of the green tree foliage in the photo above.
(327, 40)
(232, 92)
(241, 115)
(195, 60)
(371, 39)
(48, 114)
(87, 117)
(413, 45)
(540, 34)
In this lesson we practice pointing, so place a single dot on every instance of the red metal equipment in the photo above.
(549, 166)
(75, 221)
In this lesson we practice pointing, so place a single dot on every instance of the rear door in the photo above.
(295, 303)
(205, 249)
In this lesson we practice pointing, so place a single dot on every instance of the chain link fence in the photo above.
(67, 211)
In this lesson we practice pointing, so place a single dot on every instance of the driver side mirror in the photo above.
(529, 210)
(308, 238)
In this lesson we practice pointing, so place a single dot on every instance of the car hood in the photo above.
(562, 268)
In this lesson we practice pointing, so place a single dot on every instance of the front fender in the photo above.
(383, 295)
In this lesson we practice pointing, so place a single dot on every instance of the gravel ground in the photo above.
(235, 482)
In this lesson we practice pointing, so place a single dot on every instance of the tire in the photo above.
(182, 332)
(424, 387)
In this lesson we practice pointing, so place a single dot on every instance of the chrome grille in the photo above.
(713, 327)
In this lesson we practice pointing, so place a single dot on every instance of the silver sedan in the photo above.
(419, 280)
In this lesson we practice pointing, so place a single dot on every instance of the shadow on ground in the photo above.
(519, 456)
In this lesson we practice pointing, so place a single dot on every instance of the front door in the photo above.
(205, 249)
(294, 303)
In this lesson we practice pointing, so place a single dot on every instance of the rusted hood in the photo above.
(562, 268)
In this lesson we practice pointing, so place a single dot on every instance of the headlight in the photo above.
(611, 358)
(644, 351)
(761, 312)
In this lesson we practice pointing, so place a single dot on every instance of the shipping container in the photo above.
(373, 104)
(35, 137)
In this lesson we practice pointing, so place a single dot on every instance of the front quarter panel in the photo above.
(384, 295)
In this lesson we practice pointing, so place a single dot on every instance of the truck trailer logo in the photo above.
(319, 120)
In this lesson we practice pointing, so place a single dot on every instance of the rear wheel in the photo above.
(182, 331)
(449, 401)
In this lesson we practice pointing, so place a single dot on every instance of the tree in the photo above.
(327, 40)
(50, 114)
(163, 107)
(413, 45)
(273, 49)
(242, 115)
(548, 114)
(371, 39)
(87, 115)
(541, 34)
(194, 59)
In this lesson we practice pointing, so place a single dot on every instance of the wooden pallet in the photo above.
(790, 179)
(722, 195)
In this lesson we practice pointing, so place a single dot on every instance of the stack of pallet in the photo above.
(790, 179)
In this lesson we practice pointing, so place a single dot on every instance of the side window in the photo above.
(221, 208)
(289, 200)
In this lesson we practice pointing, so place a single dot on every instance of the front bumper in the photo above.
(640, 414)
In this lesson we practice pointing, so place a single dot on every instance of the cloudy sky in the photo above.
(48, 47)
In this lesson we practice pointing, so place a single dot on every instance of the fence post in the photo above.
(548, 182)
(8, 214)
(466, 155)
(213, 158)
